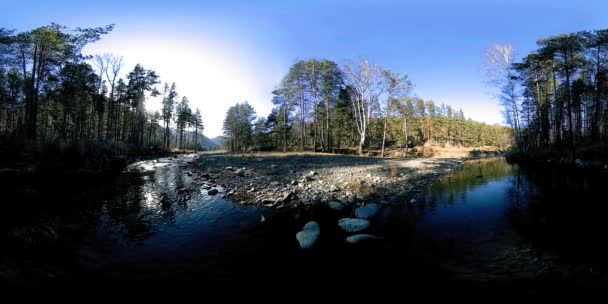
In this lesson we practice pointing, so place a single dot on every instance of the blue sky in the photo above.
(223, 52)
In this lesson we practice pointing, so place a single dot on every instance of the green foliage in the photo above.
(237, 127)
(51, 93)
(564, 86)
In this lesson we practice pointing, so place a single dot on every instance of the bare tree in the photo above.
(365, 83)
(113, 67)
(499, 59)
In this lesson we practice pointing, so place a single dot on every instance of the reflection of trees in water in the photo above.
(148, 200)
(457, 183)
(466, 178)
(561, 210)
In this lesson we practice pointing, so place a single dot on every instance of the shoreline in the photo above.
(301, 180)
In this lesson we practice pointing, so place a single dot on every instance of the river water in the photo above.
(489, 223)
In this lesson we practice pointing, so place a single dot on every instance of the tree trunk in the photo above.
(384, 131)
(405, 132)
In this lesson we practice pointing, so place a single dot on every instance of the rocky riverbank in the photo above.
(300, 179)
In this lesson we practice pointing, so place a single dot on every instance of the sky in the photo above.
(222, 52)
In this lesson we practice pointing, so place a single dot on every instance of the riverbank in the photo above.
(591, 158)
(300, 180)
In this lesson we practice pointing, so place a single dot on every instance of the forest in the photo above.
(556, 97)
(320, 106)
(53, 95)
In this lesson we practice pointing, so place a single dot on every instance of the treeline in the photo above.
(323, 107)
(50, 92)
(556, 97)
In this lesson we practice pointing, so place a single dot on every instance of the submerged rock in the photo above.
(212, 192)
(336, 205)
(353, 225)
(412, 201)
(367, 211)
(309, 235)
(358, 238)
(240, 172)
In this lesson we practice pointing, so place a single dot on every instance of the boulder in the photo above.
(336, 205)
(309, 235)
(367, 211)
(353, 225)
(358, 238)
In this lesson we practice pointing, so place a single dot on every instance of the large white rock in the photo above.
(354, 239)
(353, 225)
(367, 211)
(309, 235)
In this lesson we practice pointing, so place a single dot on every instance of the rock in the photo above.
(412, 201)
(212, 192)
(287, 196)
(228, 168)
(262, 219)
(579, 163)
(273, 166)
(333, 188)
(369, 175)
(205, 175)
(309, 235)
(316, 198)
(367, 211)
(336, 205)
(360, 198)
(240, 172)
(274, 184)
(268, 201)
(357, 238)
(309, 178)
(353, 225)
(294, 182)
(312, 173)
(206, 187)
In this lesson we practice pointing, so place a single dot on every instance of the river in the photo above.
(489, 223)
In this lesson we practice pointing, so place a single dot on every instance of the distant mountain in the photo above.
(206, 142)
(210, 143)
(218, 140)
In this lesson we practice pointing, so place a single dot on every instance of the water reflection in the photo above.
(552, 210)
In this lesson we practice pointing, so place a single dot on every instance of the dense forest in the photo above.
(323, 107)
(50, 93)
(556, 97)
